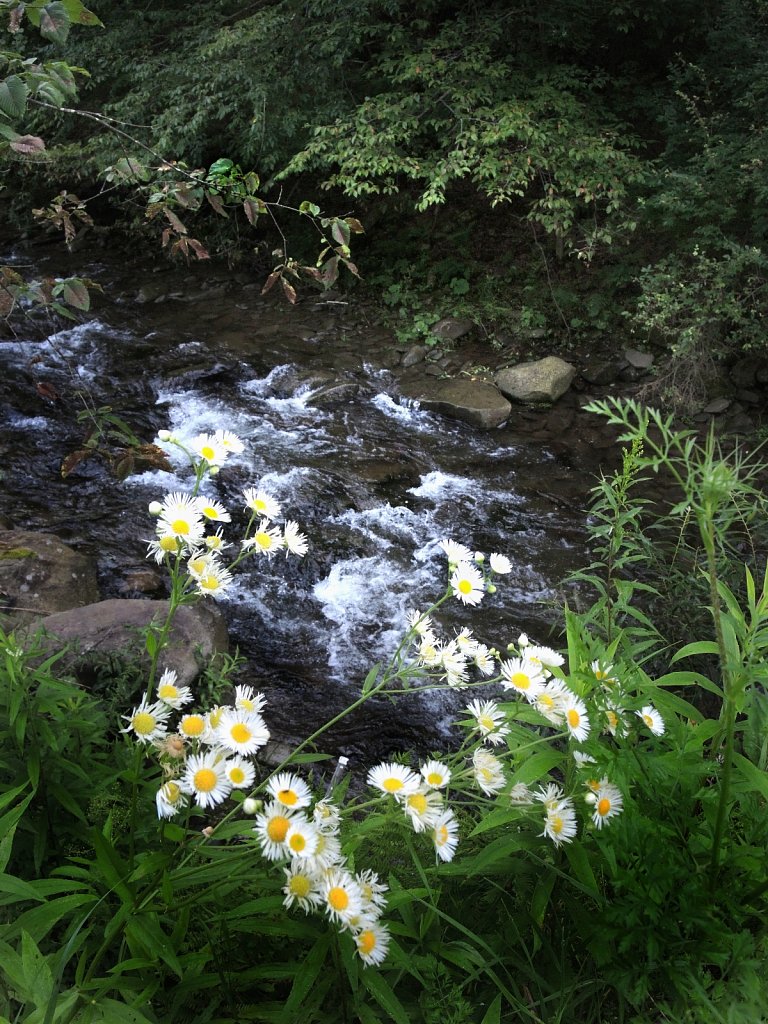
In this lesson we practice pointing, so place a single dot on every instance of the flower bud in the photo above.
(490, 588)
(590, 798)
(479, 557)
(522, 640)
(251, 806)
(164, 435)
(155, 508)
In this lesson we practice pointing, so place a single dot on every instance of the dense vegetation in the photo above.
(575, 166)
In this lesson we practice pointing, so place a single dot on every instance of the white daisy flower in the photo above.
(341, 896)
(466, 642)
(445, 835)
(248, 700)
(544, 656)
(205, 779)
(430, 652)
(166, 545)
(261, 503)
(215, 542)
(265, 541)
(372, 942)
(229, 441)
(550, 701)
(373, 891)
(327, 817)
(214, 511)
(560, 823)
(170, 693)
(193, 726)
(294, 541)
(603, 673)
(652, 719)
(608, 803)
(210, 448)
(456, 552)
(420, 624)
(490, 720)
(241, 731)
(489, 772)
(302, 837)
(290, 791)
(423, 808)
(271, 828)
(576, 720)
(484, 660)
(214, 580)
(240, 772)
(394, 779)
(613, 719)
(550, 795)
(436, 774)
(520, 795)
(188, 528)
(500, 564)
(148, 722)
(169, 800)
(467, 584)
(301, 887)
(453, 664)
(198, 562)
(327, 852)
(524, 676)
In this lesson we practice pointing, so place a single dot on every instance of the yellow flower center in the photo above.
(366, 941)
(613, 718)
(193, 725)
(214, 717)
(486, 722)
(593, 784)
(236, 776)
(297, 842)
(172, 792)
(603, 806)
(434, 778)
(277, 828)
(300, 886)
(259, 505)
(521, 680)
(205, 780)
(210, 582)
(441, 835)
(143, 723)
(338, 898)
(264, 540)
(167, 691)
(418, 802)
(465, 586)
(208, 453)
(288, 797)
(547, 701)
(240, 732)
(573, 717)
(180, 526)
(168, 543)
(210, 512)
(392, 784)
(557, 824)
(648, 721)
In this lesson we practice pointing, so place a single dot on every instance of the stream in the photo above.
(374, 481)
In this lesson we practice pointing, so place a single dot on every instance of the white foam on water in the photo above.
(30, 423)
(388, 524)
(405, 411)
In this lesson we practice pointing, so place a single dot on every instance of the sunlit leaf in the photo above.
(54, 22)
(290, 291)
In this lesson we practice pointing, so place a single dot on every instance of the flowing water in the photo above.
(374, 481)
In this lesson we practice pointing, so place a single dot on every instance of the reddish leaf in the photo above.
(174, 221)
(355, 225)
(215, 200)
(251, 209)
(290, 291)
(199, 249)
(74, 459)
(273, 277)
(153, 457)
(340, 232)
(14, 19)
(123, 467)
(330, 271)
(46, 391)
(351, 267)
(313, 272)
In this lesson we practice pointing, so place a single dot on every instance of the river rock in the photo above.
(544, 380)
(451, 328)
(474, 402)
(40, 575)
(112, 627)
(639, 360)
(413, 355)
(334, 395)
(601, 371)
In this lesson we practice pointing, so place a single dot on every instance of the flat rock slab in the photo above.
(544, 380)
(474, 402)
(39, 575)
(113, 627)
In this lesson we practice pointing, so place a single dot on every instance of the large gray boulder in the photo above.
(544, 380)
(40, 575)
(474, 402)
(113, 627)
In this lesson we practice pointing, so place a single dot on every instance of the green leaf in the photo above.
(37, 972)
(382, 992)
(76, 294)
(311, 968)
(13, 96)
(79, 14)
(699, 647)
(54, 22)
(309, 208)
(493, 1013)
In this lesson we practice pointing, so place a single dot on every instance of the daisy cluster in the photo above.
(469, 579)
(206, 755)
(421, 798)
(189, 526)
(317, 877)
(448, 661)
